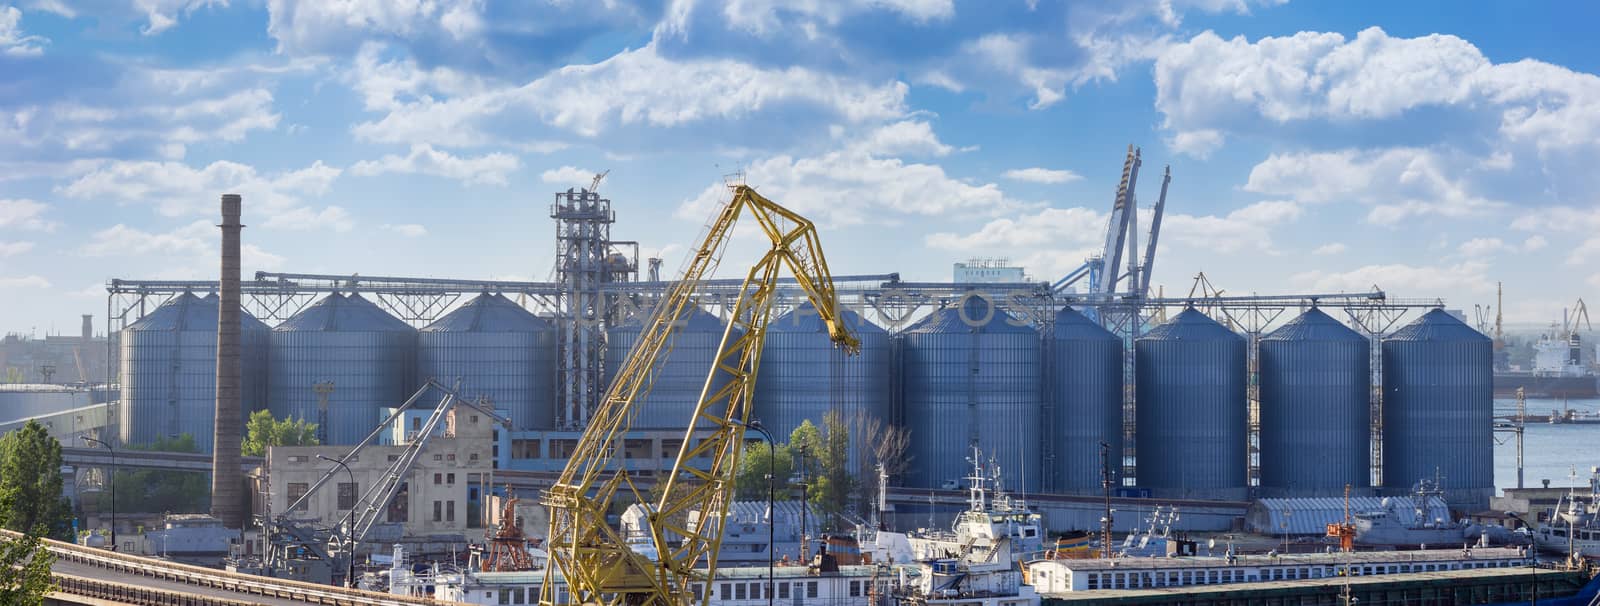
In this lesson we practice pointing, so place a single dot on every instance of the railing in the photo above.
(286, 589)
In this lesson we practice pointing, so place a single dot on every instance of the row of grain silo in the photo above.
(366, 358)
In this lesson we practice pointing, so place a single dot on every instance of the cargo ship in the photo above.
(1561, 369)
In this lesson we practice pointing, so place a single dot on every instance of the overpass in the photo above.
(92, 576)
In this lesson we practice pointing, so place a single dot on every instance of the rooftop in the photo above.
(1319, 559)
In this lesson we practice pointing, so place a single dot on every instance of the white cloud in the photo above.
(12, 40)
(8, 249)
(1586, 253)
(908, 137)
(121, 240)
(303, 218)
(56, 7)
(1212, 83)
(177, 189)
(489, 169)
(633, 87)
(1535, 242)
(24, 283)
(1398, 183)
(1196, 143)
(163, 14)
(1041, 175)
(851, 186)
(24, 214)
(409, 230)
(1483, 247)
(1414, 280)
(570, 176)
(1335, 248)
(1072, 227)
(1246, 228)
(769, 16)
(1565, 219)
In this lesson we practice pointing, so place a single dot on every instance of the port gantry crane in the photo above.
(594, 559)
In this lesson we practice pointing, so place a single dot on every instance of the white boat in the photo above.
(1573, 528)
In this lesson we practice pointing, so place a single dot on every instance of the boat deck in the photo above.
(1477, 586)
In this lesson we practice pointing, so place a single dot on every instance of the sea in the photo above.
(1562, 454)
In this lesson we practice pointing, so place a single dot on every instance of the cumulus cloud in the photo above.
(162, 15)
(13, 41)
(22, 283)
(1246, 228)
(1397, 183)
(632, 88)
(570, 176)
(121, 240)
(1041, 175)
(8, 249)
(907, 137)
(1534, 243)
(489, 169)
(1335, 248)
(1414, 280)
(24, 214)
(1074, 227)
(1483, 247)
(1211, 83)
(1196, 143)
(177, 189)
(409, 230)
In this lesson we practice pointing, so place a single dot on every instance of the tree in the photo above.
(833, 486)
(30, 483)
(750, 484)
(160, 491)
(881, 444)
(264, 430)
(24, 571)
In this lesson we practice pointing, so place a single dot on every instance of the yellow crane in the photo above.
(592, 558)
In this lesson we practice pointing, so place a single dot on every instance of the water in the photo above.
(1549, 452)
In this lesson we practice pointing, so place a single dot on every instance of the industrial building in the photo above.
(1217, 403)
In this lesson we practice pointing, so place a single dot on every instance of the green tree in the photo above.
(833, 486)
(24, 571)
(264, 430)
(30, 483)
(750, 484)
(160, 491)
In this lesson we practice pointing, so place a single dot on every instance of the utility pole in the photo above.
(1105, 488)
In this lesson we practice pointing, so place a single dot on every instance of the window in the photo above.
(811, 589)
(400, 507)
(438, 511)
(783, 591)
(855, 589)
(449, 511)
(436, 478)
(416, 423)
(393, 458)
(450, 457)
(438, 457)
(739, 591)
(474, 478)
(297, 490)
(505, 596)
(347, 495)
(726, 591)
(297, 458)
(474, 419)
(473, 458)
(523, 449)
(450, 479)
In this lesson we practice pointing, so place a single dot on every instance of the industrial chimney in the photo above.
(88, 328)
(227, 481)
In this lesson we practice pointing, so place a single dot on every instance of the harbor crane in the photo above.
(1104, 270)
(594, 560)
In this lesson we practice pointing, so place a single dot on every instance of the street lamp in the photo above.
(113, 482)
(804, 500)
(772, 509)
(350, 540)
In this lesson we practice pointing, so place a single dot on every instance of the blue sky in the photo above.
(1428, 148)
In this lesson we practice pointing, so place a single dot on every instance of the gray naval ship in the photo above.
(1423, 519)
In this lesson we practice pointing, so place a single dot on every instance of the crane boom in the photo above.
(1143, 287)
(591, 557)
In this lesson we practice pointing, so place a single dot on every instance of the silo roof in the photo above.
(1437, 325)
(965, 317)
(695, 320)
(803, 318)
(489, 313)
(1313, 325)
(1191, 325)
(189, 312)
(1070, 324)
(337, 312)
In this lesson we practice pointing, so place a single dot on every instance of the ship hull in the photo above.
(1507, 384)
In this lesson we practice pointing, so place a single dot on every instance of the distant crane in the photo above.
(595, 184)
(1103, 270)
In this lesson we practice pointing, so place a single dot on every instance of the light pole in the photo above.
(804, 501)
(772, 508)
(349, 540)
(113, 482)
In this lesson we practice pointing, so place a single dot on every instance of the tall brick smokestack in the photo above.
(227, 481)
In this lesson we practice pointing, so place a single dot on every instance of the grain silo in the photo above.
(679, 375)
(1192, 428)
(1315, 411)
(1085, 390)
(1438, 409)
(803, 376)
(972, 377)
(169, 365)
(499, 352)
(364, 356)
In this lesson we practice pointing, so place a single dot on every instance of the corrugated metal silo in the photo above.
(1438, 409)
(169, 365)
(1315, 412)
(803, 376)
(1192, 427)
(1086, 392)
(367, 354)
(499, 351)
(972, 375)
(680, 377)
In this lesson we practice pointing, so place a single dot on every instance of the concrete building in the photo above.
(440, 503)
